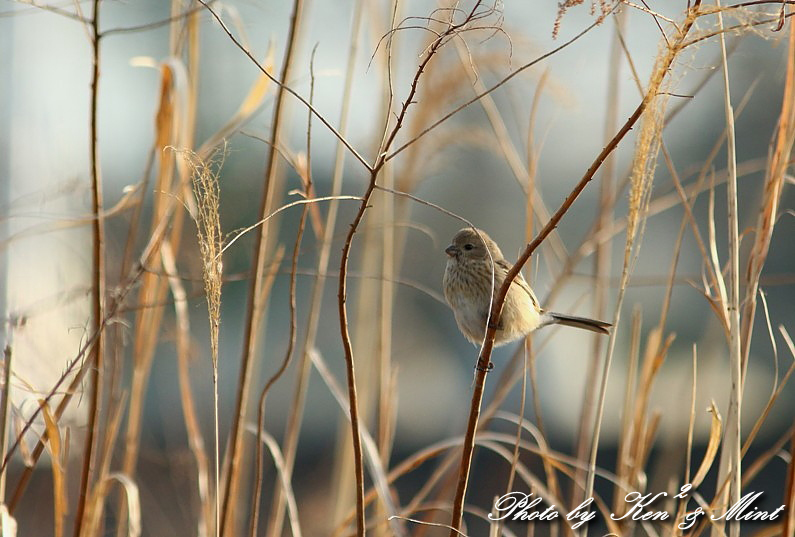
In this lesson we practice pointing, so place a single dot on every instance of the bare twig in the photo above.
(98, 282)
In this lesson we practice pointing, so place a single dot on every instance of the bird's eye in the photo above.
(468, 247)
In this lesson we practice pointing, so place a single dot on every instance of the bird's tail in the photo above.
(600, 327)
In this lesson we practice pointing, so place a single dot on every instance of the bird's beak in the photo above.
(452, 251)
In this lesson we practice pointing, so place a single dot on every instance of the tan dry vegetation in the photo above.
(442, 111)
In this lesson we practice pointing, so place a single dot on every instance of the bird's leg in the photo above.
(487, 368)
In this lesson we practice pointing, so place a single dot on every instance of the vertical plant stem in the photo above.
(485, 353)
(388, 140)
(193, 429)
(234, 451)
(4, 410)
(730, 453)
(349, 364)
(97, 281)
(674, 47)
(778, 164)
(276, 519)
(306, 174)
(601, 260)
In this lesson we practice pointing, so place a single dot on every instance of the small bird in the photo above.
(469, 288)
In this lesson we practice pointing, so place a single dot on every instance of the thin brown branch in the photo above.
(342, 289)
(484, 357)
(155, 24)
(97, 284)
(349, 364)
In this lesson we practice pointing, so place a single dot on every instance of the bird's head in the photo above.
(472, 244)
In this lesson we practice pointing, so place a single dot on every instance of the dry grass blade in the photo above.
(680, 513)
(297, 407)
(304, 169)
(431, 524)
(286, 486)
(644, 164)
(5, 411)
(131, 497)
(60, 504)
(96, 506)
(250, 104)
(97, 278)
(371, 448)
(730, 458)
(8, 526)
(774, 451)
(625, 464)
(780, 160)
(715, 431)
(778, 388)
(195, 439)
(171, 178)
(242, 232)
(788, 522)
(262, 241)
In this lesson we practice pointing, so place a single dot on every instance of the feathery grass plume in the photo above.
(647, 146)
(605, 8)
(646, 150)
(643, 166)
(208, 226)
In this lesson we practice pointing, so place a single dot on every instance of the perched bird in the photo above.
(472, 258)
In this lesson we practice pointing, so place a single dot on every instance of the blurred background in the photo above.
(504, 163)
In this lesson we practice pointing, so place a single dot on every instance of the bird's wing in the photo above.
(504, 267)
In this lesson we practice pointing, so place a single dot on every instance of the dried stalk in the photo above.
(234, 451)
(601, 260)
(195, 439)
(643, 170)
(729, 467)
(97, 283)
(306, 176)
(451, 30)
(79, 364)
(5, 410)
(208, 225)
(276, 519)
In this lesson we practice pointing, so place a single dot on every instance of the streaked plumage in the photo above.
(469, 288)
